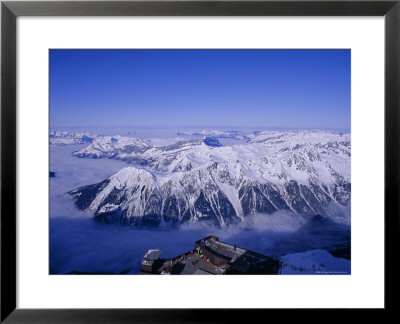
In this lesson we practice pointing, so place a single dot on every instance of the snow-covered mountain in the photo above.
(133, 150)
(304, 172)
(119, 147)
(69, 138)
(217, 133)
(314, 262)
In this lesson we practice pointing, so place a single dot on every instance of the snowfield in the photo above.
(314, 262)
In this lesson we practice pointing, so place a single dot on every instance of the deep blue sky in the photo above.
(249, 88)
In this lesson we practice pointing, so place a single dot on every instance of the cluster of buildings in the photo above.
(210, 256)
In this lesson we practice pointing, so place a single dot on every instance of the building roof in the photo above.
(152, 254)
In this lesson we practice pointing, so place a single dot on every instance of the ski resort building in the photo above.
(210, 256)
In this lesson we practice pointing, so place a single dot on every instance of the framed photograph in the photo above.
(162, 158)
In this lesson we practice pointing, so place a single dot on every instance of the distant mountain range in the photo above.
(200, 180)
(67, 138)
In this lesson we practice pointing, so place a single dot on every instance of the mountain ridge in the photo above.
(301, 172)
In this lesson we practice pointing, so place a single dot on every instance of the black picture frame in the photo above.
(10, 10)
